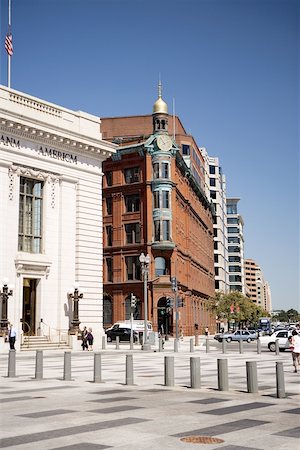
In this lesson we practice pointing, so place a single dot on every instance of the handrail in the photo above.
(27, 333)
(58, 331)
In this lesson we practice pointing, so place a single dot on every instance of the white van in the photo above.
(137, 325)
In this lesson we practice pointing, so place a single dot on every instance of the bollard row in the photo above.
(169, 372)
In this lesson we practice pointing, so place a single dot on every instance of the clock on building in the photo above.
(164, 142)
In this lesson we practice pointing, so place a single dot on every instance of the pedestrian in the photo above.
(12, 336)
(84, 333)
(90, 339)
(206, 331)
(295, 347)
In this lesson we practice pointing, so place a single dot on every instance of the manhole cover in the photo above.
(201, 440)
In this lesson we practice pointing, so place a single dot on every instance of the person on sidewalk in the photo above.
(12, 336)
(206, 331)
(84, 343)
(90, 339)
(295, 347)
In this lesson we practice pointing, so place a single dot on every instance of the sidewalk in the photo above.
(80, 414)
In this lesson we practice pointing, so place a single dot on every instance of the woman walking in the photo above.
(90, 339)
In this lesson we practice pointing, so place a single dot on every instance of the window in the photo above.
(232, 249)
(231, 209)
(185, 149)
(30, 215)
(166, 230)
(132, 203)
(212, 170)
(165, 199)
(234, 259)
(109, 235)
(213, 195)
(165, 170)
(215, 232)
(132, 175)
(233, 240)
(232, 230)
(156, 202)
(156, 230)
(212, 181)
(217, 271)
(233, 220)
(109, 206)
(215, 245)
(133, 268)
(156, 170)
(216, 258)
(217, 284)
(234, 269)
(109, 269)
(160, 266)
(109, 178)
(107, 311)
(235, 278)
(133, 233)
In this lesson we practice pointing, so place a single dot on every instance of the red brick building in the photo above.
(154, 202)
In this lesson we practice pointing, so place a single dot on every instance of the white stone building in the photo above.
(51, 215)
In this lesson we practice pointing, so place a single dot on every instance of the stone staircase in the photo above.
(42, 343)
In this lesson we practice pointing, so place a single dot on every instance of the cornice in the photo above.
(55, 138)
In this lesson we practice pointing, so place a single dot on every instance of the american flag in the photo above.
(8, 44)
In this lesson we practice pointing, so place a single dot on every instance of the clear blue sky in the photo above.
(233, 68)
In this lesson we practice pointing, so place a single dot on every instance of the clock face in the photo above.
(164, 142)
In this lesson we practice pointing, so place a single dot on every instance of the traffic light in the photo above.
(132, 301)
(169, 302)
(174, 284)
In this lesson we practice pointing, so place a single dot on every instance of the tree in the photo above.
(238, 308)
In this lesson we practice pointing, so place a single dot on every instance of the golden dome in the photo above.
(160, 106)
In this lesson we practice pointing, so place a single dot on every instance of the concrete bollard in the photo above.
(195, 372)
(224, 346)
(241, 346)
(117, 342)
(223, 375)
(251, 369)
(104, 342)
(11, 363)
(280, 386)
(129, 370)
(277, 347)
(160, 344)
(169, 370)
(67, 366)
(258, 346)
(39, 365)
(207, 345)
(192, 345)
(131, 342)
(176, 345)
(97, 368)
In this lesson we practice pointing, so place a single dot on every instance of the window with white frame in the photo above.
(30, 215)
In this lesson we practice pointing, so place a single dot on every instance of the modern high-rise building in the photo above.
(257, 288)
(235, 234)
(154, 202)
(216, 191)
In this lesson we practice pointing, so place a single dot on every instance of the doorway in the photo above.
(29, 306)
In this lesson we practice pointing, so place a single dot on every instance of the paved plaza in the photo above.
(52, 413)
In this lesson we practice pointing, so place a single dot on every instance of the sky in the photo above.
(232, 67)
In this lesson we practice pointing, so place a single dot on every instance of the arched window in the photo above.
(107, 311)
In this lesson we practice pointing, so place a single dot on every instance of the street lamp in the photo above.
(145, 261)
(75, 296)
(6, 292)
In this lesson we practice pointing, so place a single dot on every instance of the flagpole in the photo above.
(9, 56)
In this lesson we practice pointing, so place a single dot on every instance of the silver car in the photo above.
(238, 335)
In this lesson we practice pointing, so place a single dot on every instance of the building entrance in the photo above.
(29, 306)
(164, 317)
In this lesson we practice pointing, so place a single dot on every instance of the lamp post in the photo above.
(5, 293)
(145, 261)
(75, 296)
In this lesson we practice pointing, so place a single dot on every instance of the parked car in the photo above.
(122, 332)
(270, 341)
(238, 335)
